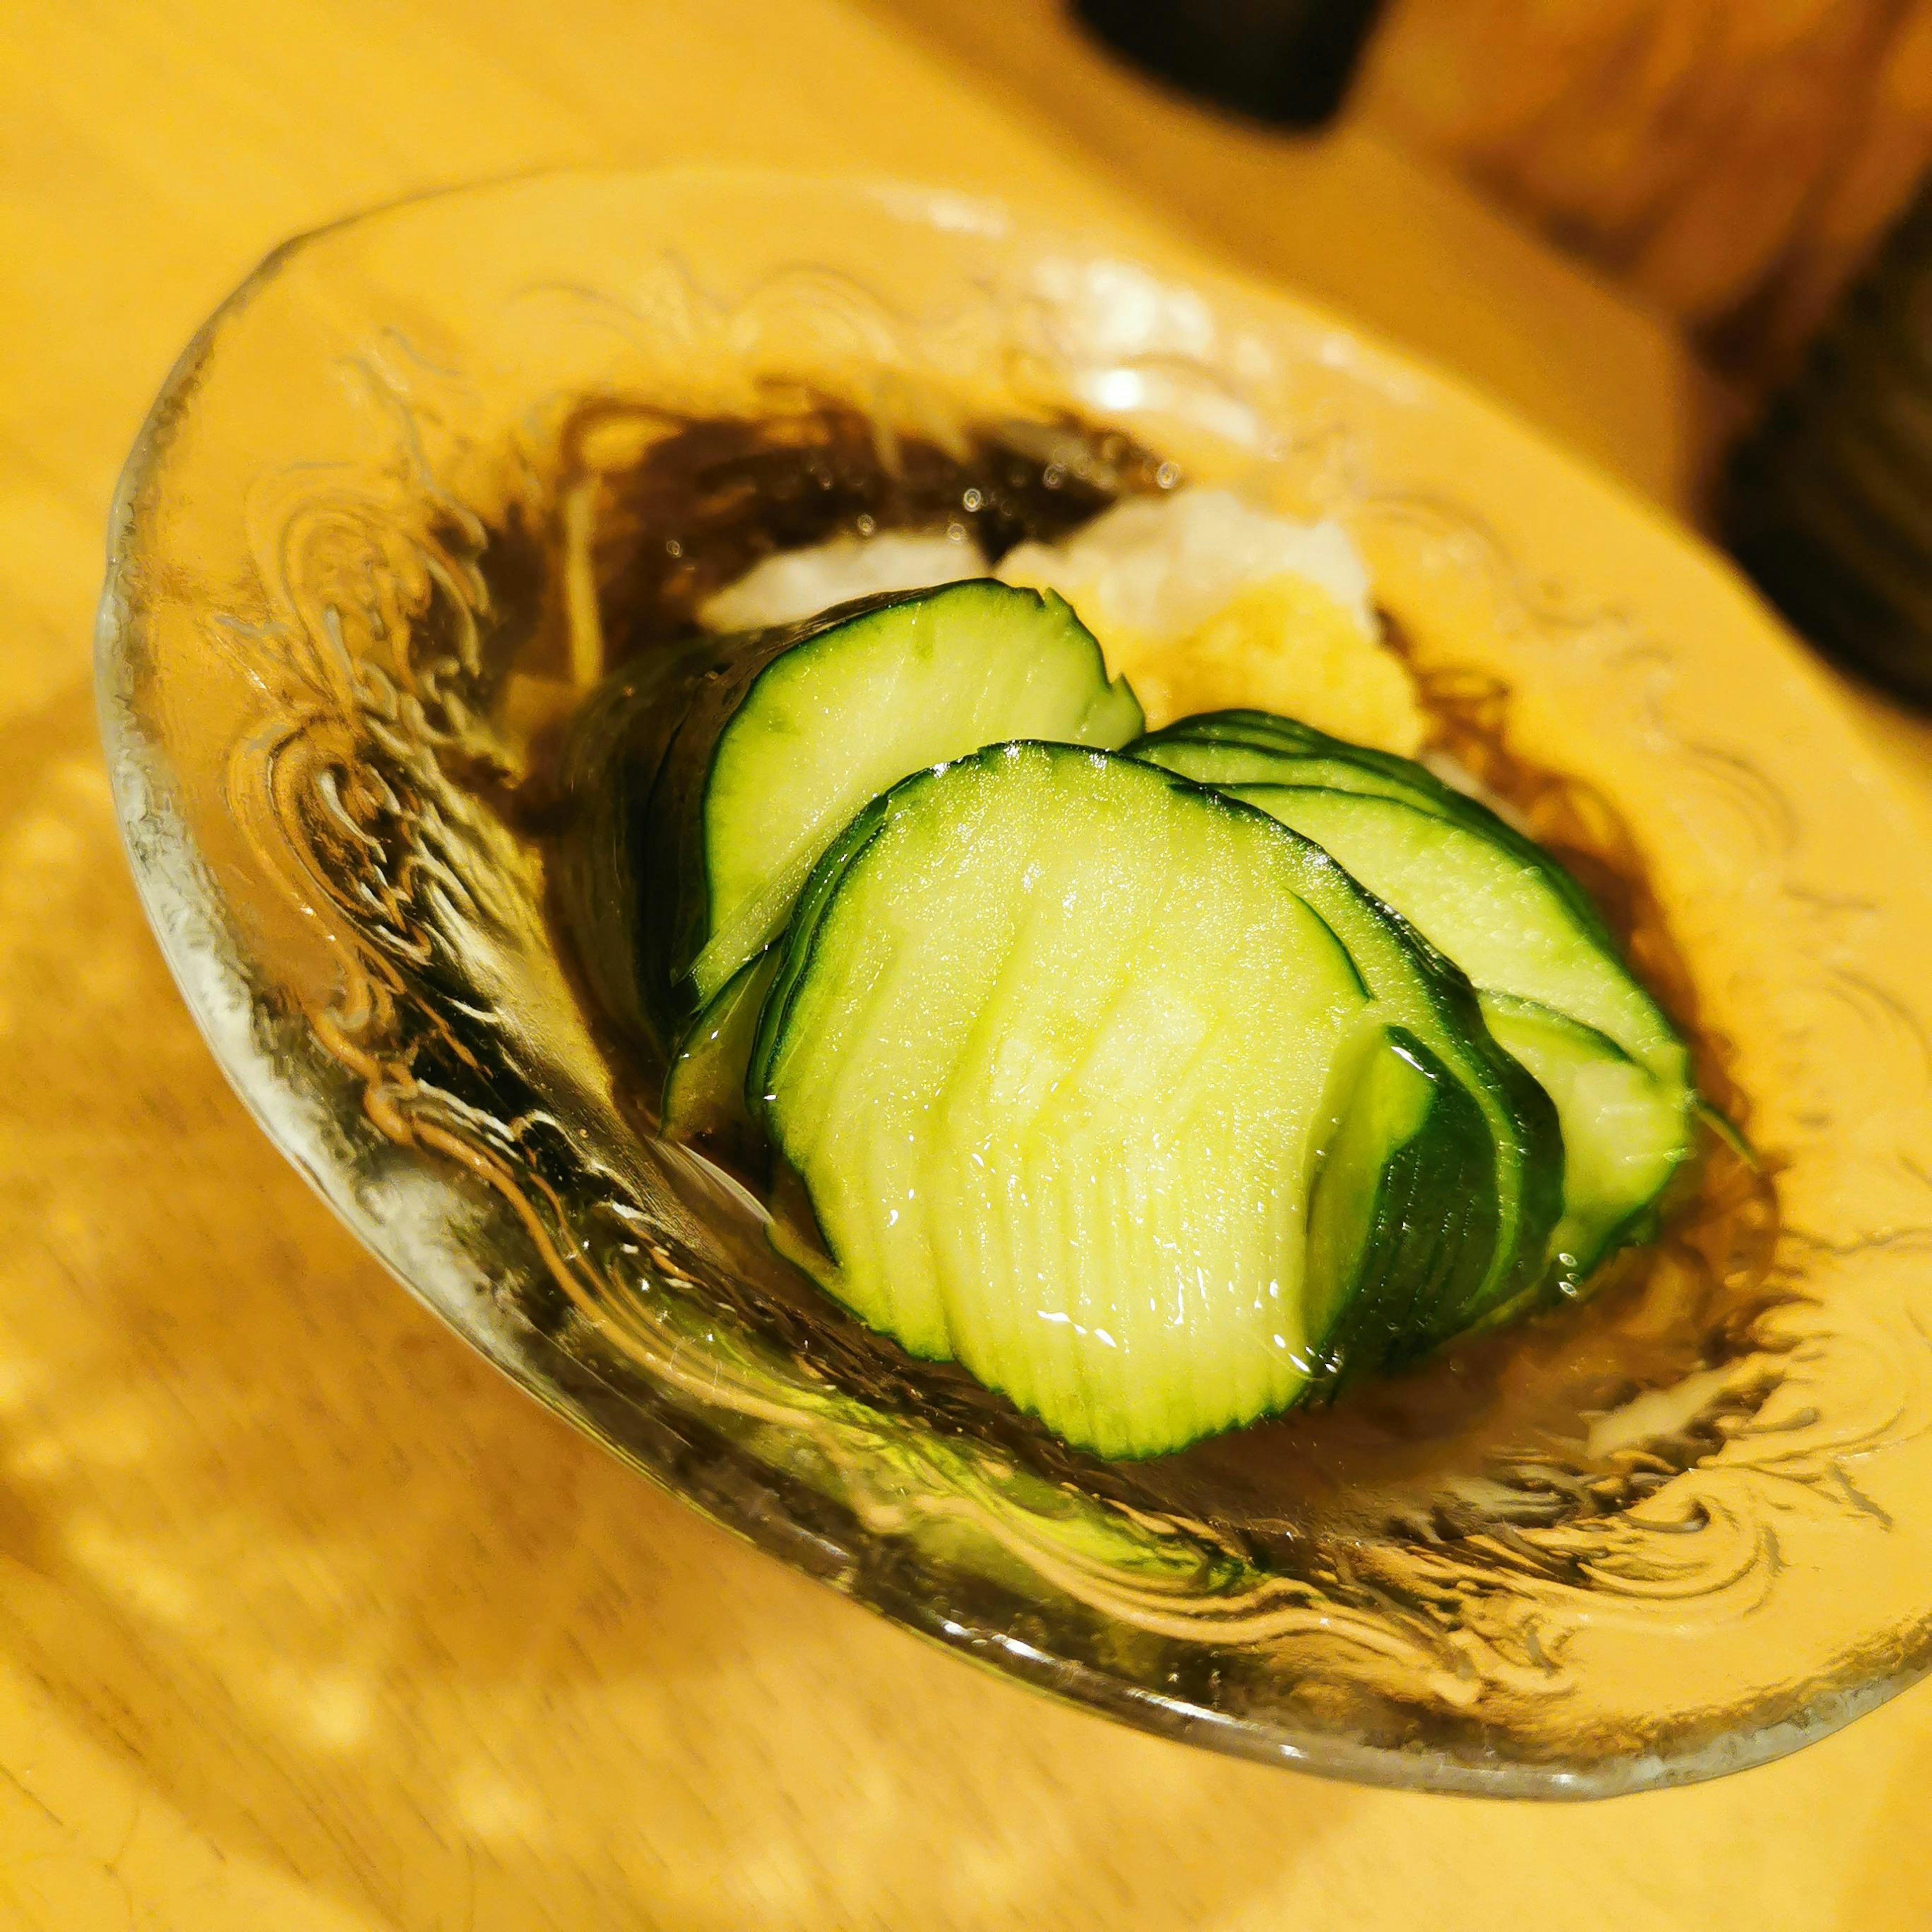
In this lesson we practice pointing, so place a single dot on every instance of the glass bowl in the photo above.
(349, 587)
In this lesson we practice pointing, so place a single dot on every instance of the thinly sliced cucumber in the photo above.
(776, 755)
(612, 760)
(1225, 760)
(1556, 999)
(1625, 1133)
(1227, 748)
(703, 782)
(1055, 1047)
(1286, 734)
(1402, 1219)
(1012, 1057)
(1493, 909)
(1419, 989)
(704, 1090)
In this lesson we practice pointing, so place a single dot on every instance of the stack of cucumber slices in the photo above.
(1164, 1081)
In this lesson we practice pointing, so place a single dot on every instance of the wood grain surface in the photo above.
(308, 1623)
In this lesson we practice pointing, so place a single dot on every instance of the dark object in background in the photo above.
(1828, 504)
(1284, 61)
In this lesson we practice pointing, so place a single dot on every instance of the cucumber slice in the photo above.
(1222, 762)
(1012, 1057)
(704, 1090)
(702, 783)
(1224, 759)
(1553, 996)
(610, 764)
(1228, 748)
(807, 724)
(1494, 910)
(1625, 1133)
(1402, 1218)
(1419, 989)
(1055, 1047)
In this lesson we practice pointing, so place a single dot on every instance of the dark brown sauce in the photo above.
(1496, 1427)
(711, 499)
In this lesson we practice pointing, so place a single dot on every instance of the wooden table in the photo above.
(308, 1621)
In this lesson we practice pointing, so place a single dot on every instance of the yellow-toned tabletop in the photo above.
(307, 1619)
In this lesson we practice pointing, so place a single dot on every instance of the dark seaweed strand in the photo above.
(711, 497)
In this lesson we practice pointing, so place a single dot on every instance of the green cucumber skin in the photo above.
(1570, 1275)
(631, 852)
(1439, 1270)
(683, 807)
(1224, 763)
(813, 917)
(613, 759)
(1286, 745)
(632, 873)
(1526, 1171)
(796, 946)
(676, 885)
(1431, 1211)
(703, 1100)
(1432, 1263)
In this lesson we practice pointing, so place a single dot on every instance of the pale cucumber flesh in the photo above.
(1519, 1185)
(1051, 1051)
(897, 684)
(1232, 748)
(1498, 918)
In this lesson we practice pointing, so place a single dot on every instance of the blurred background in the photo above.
(1735, 177)
(1731, 162)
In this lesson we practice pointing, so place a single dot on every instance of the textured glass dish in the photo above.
(347, 589)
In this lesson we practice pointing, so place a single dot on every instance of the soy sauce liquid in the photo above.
(1519, 1426)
